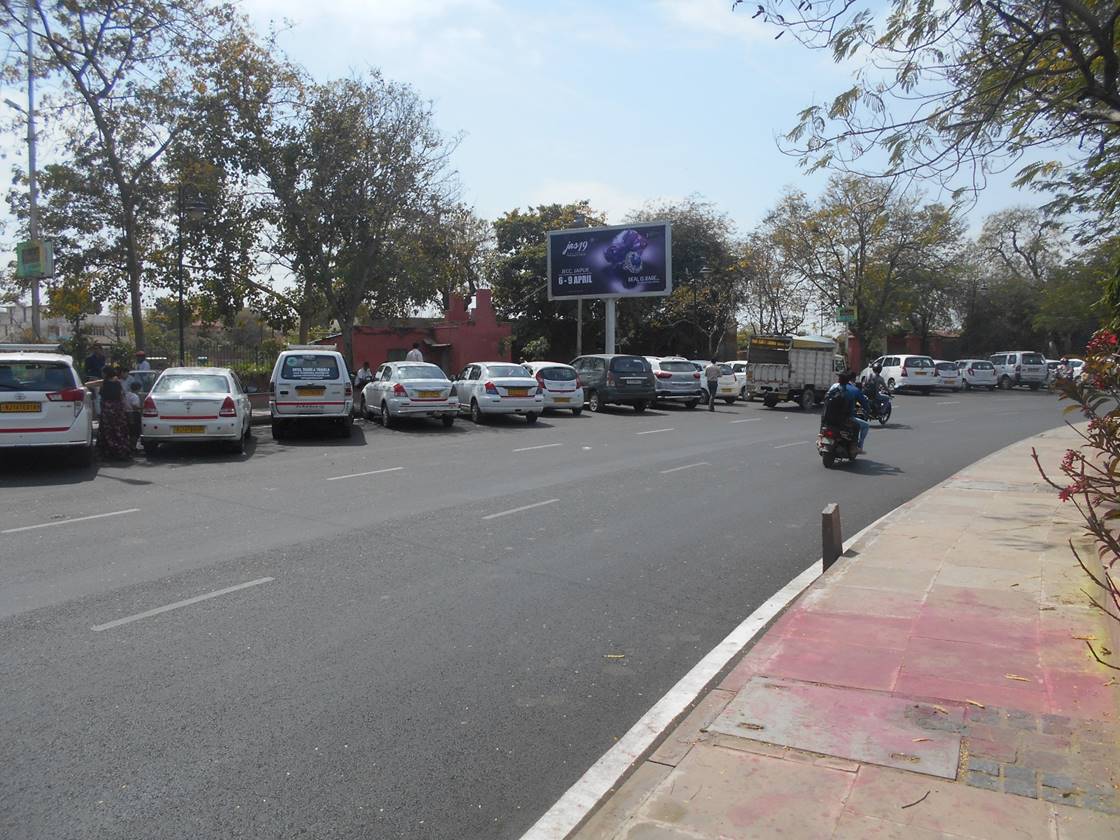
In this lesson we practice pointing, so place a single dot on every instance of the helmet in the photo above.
(877, 368)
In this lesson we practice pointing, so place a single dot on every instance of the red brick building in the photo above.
(451, 342)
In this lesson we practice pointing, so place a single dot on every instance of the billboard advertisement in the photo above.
(610, 262)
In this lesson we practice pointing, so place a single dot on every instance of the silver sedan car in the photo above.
(408, 389)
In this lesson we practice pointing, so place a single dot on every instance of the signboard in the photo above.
(845, 314)
(34, 258)
(610, 262)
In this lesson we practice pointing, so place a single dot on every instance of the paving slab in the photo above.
(836, 663)
(861, 726)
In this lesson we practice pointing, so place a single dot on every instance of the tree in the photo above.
(126, 82)
(969, 87)
(71, 299)
(1070, 308)
(777, 298)
(933, 281)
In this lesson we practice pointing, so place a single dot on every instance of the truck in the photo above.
(795, 368)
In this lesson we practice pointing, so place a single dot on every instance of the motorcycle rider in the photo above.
(852, 395)
(876, 388)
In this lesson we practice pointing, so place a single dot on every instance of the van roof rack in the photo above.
(310, 347)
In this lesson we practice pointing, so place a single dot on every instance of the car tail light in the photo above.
(828, 433)
(696, 375)
(68, 395)
(662, 374)
(491, 389)
(150, 409)
(610, 377)
(349, 390)
(540, 384)
(228, 409)
(579, 382)
(398, 390)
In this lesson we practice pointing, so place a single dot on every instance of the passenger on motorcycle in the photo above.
(876, 388)
(853, 395)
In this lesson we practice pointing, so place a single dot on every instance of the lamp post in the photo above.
(194, 206)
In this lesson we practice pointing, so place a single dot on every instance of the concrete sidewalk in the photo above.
(934, 683)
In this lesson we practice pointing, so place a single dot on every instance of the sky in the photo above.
(620, 102)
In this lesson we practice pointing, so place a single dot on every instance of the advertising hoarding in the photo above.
(610, 262)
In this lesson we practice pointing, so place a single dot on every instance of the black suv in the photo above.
(616, 379)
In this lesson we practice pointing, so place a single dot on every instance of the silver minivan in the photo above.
(1019, 367)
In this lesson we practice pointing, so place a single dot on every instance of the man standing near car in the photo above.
(414, 355)
(363, 376)
(711, 376)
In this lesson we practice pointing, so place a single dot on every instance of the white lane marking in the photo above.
(950, 402)
(68, 521)
(795, 443)
(519, 509)
(653, 431)
(749, 420)
(186, 603)
(359, 475)
(542, 446)
(686, 467)
(946, 420)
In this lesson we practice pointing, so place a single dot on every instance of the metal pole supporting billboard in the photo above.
(609, 344)
(579, 327)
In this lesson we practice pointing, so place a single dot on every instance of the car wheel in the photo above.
(828, 460)
(576, 412)
(769, 402)
(476, 412)
(364, 410)
(1034, 386)
(277, 430)
(1005, 383)
(82, 456)
(530, 418)
(150, 448)
(640, 406)
(691, 404)
(808, 399)
(593, 402)
(448, 420)
(386, 418)
(729, 400)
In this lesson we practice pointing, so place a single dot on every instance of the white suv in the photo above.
(914, 372)
(310, 382)
(1019, 367)
(43, 402)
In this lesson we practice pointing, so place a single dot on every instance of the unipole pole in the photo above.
(579, 327)
(609, 348)
(33, 191)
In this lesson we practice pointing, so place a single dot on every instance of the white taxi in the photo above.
(559, 384)
(498, 388)
(189, 404)
(43, 403)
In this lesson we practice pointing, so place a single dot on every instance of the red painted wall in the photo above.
(453, 343)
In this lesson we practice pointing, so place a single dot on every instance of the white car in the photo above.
(188, 404)
(1019, 367)
(948, 375)
(560, 384)
(676, 380)
(739, 368)
(43, 403)
(498, 388)
(409, 389)
(977, 373)
(727, 385)
(916, 373)
(310, 382)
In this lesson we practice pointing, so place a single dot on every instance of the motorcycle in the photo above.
(880, 410)
(837, 442)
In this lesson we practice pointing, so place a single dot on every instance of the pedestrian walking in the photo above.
(112, 431)
(414, 355)
(711, 375)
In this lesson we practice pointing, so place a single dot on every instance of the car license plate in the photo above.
(188, 430)
(519, 392)
(20, 407)
(428, 394)
(919, 373)
(311, 392)
(562, 399)
(635, 381)
(727, 390)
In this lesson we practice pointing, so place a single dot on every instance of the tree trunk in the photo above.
(132, 265)
(304, 327)
(347, 327)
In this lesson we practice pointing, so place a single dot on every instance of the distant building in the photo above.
(15, 321)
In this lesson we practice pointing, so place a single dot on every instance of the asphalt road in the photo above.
(415, 657)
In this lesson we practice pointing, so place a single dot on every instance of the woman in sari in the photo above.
(112, 436)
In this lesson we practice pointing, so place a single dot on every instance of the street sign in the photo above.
(34, 258)
(845, 314)
(610, 262)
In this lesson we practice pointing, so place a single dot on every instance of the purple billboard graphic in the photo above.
(618, 261)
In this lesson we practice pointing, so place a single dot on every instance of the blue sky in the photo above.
(617, 101)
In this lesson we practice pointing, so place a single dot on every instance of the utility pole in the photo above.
(33, 198)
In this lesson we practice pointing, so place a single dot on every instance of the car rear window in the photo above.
(725, 370)
(557, 374)
(191, 383)
(982, 366)
(629, 364)
(420, 372)
(507, 370)
(678, 367)
(35, 376)
(1033, 359)
(947, 366)
(919, 362)
(314, 366)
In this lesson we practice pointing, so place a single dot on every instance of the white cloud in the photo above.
(715, 17)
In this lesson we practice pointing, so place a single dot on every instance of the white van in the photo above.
(1019, 367)
(310, 382)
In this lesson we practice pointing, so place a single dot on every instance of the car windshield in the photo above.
(192, 383)
(420, 372)
(1033, 359)
(628, 364)
(678, 367)
(35, 376)
(919, 362)
(313, 366)
(557, 374)
(507, 370)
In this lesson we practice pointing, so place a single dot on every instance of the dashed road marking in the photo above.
(542, 446)
(748, 420)
(795, 443)
(69, 521)
(178, 604)
(946, 420)
(653, 431)
(686, 467)
(519, 509)
(359, 475)
(950, 402)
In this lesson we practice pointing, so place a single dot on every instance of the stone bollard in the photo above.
(832, 538)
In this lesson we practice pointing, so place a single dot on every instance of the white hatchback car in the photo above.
(560, 385)
(977, 373)
(739, 368)
(409, 389)
(43, 403)
(188, 404)
(948, 375)
(727, 385)
(498, 388)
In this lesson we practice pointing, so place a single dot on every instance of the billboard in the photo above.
(610, 262)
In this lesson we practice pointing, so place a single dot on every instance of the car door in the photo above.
(241, 399)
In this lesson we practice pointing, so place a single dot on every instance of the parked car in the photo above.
(739, 369)
(676, 380)
(727, 385)
(619, 379)
(948, 374)
(977, 373)
(498, 388)
(559, 384)
(916, 373)
(310, 383)
(188, 404)
(1019, 367)
(43, 403)
(409, 389)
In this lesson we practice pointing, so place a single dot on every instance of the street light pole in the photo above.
(33, 188)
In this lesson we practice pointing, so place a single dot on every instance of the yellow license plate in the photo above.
(20, 407)
(562, 399)
(519, 392)
(429, 394)
(919, 373)
(188, 430)
(311, 392)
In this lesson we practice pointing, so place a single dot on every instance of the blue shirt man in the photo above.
(852, 395)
